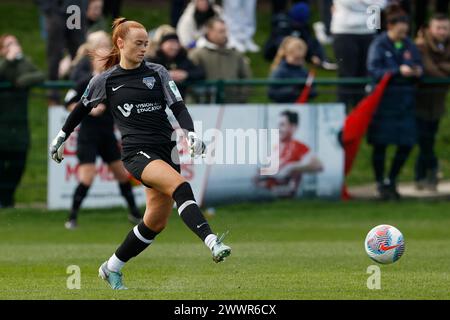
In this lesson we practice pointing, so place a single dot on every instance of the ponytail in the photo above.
(112, 58)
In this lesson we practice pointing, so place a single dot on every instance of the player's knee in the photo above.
(156, 226)
(87, 181)
(119, 172)
(174, 185)
(87, 178)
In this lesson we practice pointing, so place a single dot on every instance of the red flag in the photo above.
(304, 95)
(357, 123)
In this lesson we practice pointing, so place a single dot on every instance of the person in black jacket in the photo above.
(394, 121)
(21, 73)
(174, 58)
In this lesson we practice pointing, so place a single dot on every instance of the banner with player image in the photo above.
(306, 152)
(255, 152)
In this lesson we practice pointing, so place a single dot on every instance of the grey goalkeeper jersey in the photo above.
(137, 99)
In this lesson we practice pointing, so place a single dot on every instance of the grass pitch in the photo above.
(281, 250)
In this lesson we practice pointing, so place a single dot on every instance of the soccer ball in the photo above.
(384, 244)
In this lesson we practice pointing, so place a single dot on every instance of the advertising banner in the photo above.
(255, 152)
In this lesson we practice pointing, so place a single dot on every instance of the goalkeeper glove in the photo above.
(196, 146)
(57, 147)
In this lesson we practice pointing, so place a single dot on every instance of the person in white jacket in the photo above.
(353, 29)
(240, 17)
(192, 24)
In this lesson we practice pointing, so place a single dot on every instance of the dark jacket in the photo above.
(181, 62)
(394, 120)
(431, 98)
(287, 93)
(14, 131)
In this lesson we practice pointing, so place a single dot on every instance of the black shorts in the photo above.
(104, 145)
(136, 159)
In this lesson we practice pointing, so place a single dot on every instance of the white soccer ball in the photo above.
(385, 244)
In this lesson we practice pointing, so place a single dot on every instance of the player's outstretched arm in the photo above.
(196, 146)
(74, 119)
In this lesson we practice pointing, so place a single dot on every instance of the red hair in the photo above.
(120, 27)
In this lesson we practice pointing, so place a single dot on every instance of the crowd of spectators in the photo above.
(210, 40)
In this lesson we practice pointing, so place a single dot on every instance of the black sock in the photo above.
(378, 159)
(78, 197)
(139, 238)
(127, 193)
(190, 212)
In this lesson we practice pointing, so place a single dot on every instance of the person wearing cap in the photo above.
(174, 58)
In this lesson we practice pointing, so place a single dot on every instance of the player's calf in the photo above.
(192, 216)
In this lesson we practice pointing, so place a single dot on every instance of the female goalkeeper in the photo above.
(137, 93)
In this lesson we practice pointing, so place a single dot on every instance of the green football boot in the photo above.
(114, 279)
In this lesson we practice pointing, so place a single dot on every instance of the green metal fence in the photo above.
(220, 85)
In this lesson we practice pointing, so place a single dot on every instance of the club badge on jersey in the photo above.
(149, 82)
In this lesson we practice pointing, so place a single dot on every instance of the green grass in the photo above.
(281, 250)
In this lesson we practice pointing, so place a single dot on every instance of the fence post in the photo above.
(220, 91)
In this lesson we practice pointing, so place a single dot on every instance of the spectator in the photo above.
(434, 45)
(192, 23)
(112, 8)
(394, 121)
(322, 29)
(280, 6)
(240, 17)
(289, 64)
(352, 39)
(174, 58)
(295, 23)
(95, 19)
(82, 64)
(176, 11)
(421, 10)
(219, 61)
(155, 36)
(14, 131)
(59, 37)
